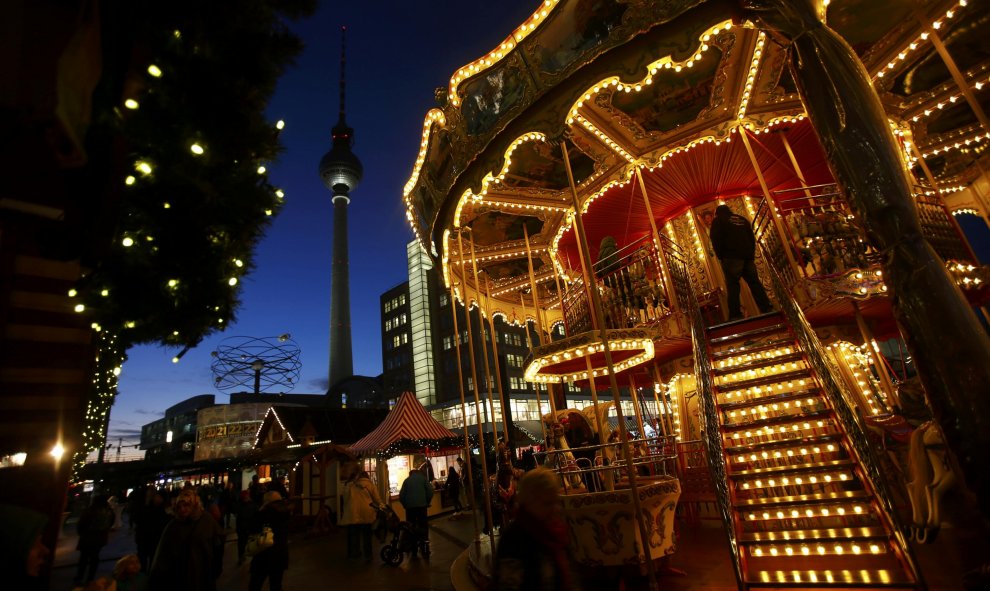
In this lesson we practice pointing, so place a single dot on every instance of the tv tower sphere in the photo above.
(340, 169)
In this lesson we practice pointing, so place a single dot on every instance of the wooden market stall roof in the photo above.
(407, 428)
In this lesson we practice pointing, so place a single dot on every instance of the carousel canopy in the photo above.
(408, 428)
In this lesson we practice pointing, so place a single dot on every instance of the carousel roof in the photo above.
(667, 88)
(407, 428)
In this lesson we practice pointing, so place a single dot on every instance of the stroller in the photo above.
(404, 538)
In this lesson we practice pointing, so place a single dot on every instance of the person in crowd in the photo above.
(427, 468)
(461, 470)
(277, 484)
(151, 520)
(272, 562)
(228, 503)
(735, 246)
(94, 533)
(190, 553)
(257, 490)
(361, 500)
(454, 488)
(244, 521)
(415, 496)
(128, 576)
(22, 553)
(503, 495)
(532, 552)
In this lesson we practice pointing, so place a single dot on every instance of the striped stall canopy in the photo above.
(407, 422)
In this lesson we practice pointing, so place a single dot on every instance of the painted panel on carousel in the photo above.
(575, 29)
(539, 164)
(604, 532)
(674, 98)
(490, 96)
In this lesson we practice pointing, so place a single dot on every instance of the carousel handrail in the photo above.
(684, 288)
(842, 403)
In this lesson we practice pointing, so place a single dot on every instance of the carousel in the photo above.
(571, 176)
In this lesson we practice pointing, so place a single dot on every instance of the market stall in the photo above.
(407, 439)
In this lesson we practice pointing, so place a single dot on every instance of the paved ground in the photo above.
(320, 563)
(315, 562)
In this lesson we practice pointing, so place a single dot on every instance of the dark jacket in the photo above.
(526, 559)
(94, 526)
(190, 555)
(416, 491)
(276, 516)
(732, 235)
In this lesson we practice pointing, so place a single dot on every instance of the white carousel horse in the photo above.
(930, 476)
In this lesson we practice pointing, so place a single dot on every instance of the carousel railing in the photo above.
(826, 240)
(711, 436)
(843, 403)
(820, 231)
(589, 468)
(632, 290)
(939, 227)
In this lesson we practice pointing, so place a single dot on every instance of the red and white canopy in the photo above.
(407, 428)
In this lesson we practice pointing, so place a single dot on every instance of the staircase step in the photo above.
(721, 341)
(830, 498)
(755, 347)
(843, 578)
(784, 443)
(764, 380)
(825, 466)
(778, 421)
(814, 535)
(769, 399)
(758, 363)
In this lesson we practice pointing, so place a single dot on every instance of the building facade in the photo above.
(420, 353)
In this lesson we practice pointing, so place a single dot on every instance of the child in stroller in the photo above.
(404, 537)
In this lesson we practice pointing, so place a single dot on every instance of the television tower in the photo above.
(341, 172)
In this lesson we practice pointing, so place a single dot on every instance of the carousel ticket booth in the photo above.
(574, 176)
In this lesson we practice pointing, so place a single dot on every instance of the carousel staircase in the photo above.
(805, 513)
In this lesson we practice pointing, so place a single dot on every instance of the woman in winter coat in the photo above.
(361, 499)
(94, 533)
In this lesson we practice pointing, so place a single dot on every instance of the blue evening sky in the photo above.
(397, 53)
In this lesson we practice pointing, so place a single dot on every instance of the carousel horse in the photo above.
(563, 461)
(930, 476)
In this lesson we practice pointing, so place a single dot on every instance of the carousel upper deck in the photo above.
(570, 177)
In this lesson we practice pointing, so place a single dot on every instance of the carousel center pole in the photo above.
(599, 321)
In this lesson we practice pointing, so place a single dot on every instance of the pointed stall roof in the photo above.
(408, 428)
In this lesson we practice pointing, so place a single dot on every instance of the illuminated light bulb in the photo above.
(232, 281)
(262, 170)
(821, 550)
(104, 292)
(79, 307)
(129, 180)
(196, 149)
(131, 104)
(173, 282)
(805, 550)
(175, 360)
(142, 167)
(127, 241)
(155, 71)
(167, 205)
(73, 293)
(279, 124)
